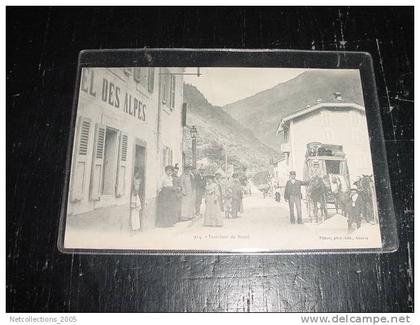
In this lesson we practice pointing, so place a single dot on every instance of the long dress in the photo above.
(212, 215)
(188, 198)
(166, 214)
(178, 196)
(135, 205)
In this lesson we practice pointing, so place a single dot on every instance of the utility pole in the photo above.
(193, 132)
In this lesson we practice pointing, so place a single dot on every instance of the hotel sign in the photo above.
(112, 94)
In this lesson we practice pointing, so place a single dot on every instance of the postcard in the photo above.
(221, 159)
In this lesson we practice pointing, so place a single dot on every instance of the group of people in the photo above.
(354, 202)
(193, 194)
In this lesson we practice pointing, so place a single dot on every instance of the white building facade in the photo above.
(280, 172)
(127, 119)
(336, 123)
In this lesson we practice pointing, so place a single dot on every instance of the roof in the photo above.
(316, 107)
(278, 159)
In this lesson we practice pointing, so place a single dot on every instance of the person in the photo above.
(277, 193)
(199, 189)
(166, 216)
(355, 209)
(236, 189)
(221, 188)
(293, 195)
(362, 193)
(136, 206)
(178, 192)
(212, 214)
(187, 191)
(336, 189)
(227, 202)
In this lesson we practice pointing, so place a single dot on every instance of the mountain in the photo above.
(263, 111)
(218, 130)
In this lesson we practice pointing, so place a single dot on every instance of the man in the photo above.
(336, 190)
(356, 209)
(293, 195)
(200, 188)
(236, 192)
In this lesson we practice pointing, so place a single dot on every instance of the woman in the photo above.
(187, 191)
(212, 215)
(136, 205)
(178, 192)
(166, 216)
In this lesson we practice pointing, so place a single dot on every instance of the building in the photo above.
(280, 171)
(127, 119)
(335, 123)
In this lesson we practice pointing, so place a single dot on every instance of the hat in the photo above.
(292, 172)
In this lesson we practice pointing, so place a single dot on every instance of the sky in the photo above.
(223, 86)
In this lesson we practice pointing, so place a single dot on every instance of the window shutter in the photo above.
(137, 74)
(122, 165)
(98, 163)
(80, 159)
(151, 80)
(184, 114)
(165, 87)
(172, 94)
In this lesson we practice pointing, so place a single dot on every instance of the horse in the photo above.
(343, 202)
(317, 193)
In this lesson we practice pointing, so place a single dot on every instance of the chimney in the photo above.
(337, 96)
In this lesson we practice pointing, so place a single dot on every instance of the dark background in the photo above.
(42, 49)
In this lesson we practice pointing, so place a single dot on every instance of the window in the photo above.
(325, 117)
(110, 154)
(98, 162)
(79, 167)
(355, 118)
(168, 89)
(286, 135)
(332, 166)
(184, 115)
(151, 79)
(122, 165)
(167, 156)
(165, 85)
(109, 162)
(141, 76)
(172, 90)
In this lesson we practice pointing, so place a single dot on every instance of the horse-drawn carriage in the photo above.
(326, 173)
